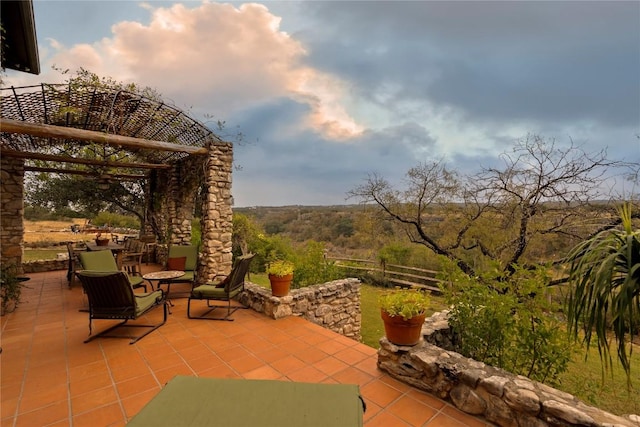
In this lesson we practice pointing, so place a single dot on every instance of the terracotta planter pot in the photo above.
(400, 331)
(102, 242)
(280, 285)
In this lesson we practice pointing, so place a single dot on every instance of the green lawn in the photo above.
(584, 380)
(42, 254)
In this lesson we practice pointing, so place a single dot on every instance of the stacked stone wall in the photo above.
(333, 305)
(479, 389)
(11, 211)
(39, 266)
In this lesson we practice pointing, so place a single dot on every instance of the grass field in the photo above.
(52, 231)
(45, 239)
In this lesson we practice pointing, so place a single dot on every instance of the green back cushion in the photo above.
(98, 260)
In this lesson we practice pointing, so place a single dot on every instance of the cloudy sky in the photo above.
(326, 92)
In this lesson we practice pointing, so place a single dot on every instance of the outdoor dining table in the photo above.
(115, 248)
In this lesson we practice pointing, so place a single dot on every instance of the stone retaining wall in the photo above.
(45, 265)
(332, 305)
(482, 390)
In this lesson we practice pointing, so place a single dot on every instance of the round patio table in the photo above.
(162, 275)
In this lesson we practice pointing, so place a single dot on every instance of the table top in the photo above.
(162, 275)
(93, 246)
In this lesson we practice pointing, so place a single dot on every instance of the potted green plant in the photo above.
(403, 313)
(10, 289)
(280, 276)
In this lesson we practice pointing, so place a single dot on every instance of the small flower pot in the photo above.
(403, 332)
(102, 242)
(280, 285)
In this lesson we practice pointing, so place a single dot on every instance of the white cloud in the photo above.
(214, 57)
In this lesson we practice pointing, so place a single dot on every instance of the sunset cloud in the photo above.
(218, 56)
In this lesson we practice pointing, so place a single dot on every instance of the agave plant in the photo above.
(605, 289)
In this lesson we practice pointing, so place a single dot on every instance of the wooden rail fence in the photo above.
(399, 275)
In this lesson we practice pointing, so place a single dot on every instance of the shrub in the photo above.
(509, 323)
(116, 220)
(312, 267)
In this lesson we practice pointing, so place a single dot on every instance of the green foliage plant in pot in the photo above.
(280, 276)
(403, 313)
(10, 289)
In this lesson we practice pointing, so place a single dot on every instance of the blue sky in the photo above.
(326, 93)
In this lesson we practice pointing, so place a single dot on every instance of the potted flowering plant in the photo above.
(403, 313)
(280, 276)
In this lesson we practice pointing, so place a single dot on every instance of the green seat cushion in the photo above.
(98, 261)
(146, 300)
(190, 401)
(135, 280)
(210, 291)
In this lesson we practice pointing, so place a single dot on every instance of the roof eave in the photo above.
(21, 48)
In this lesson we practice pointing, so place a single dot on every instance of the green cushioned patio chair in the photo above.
(111, 297)
(104, 261)
(182, 258)
(224, 290)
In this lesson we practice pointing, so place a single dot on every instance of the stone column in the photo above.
(183, 187)
(12, 211)
(217, 214)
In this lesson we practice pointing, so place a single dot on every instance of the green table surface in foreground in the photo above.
(191, 401)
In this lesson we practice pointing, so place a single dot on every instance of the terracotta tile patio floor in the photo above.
(50, 378)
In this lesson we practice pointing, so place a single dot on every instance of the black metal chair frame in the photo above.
(234, 285)
(111, 297)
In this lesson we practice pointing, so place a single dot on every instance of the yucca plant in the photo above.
(605, 289)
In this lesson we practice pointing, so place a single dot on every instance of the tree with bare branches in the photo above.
(489, 220)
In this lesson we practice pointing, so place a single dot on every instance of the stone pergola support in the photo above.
(217, 214)
(12, 211)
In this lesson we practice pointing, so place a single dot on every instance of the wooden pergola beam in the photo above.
(122, 176)
(67, 159)
(51, 131)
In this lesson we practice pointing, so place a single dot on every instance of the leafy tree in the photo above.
(60, 192)
(395, 253)
(244, 230)
(344, 227)
(605, 289)
(490, 219)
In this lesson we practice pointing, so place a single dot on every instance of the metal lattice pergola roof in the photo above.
(89, 129)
